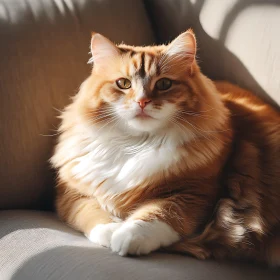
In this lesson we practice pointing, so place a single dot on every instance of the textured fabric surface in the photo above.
(44, 52)
(35, 245)
(237, 39)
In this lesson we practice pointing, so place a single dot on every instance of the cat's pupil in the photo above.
(123, 83)
(163, 84)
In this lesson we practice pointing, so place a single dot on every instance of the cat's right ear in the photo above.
(102, 51)
(183, 47)
(181, 52)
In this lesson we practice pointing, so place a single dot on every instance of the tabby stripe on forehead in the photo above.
(132, 53)
(149, 62)
(136, 63)
(141, 71)
(123, 50)
(158, 69)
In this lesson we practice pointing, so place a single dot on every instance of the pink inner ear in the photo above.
(183, 46)
(102, 50)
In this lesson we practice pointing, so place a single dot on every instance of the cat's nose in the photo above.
(143, 102)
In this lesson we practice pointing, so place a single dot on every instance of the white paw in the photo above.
(102, 233)
(140, 238)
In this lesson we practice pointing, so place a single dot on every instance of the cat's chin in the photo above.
(144, 124)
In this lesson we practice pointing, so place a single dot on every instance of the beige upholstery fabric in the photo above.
(36, 246)
(44, 49)
(43, 55)
(238, 40)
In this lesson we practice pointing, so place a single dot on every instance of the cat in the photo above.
(154, 155)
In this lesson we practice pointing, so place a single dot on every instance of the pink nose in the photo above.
(143, 102)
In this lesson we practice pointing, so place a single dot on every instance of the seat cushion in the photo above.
(36, 245)
(44, 49)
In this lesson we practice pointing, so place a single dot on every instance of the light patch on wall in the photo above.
(214, 14)
(250, 38)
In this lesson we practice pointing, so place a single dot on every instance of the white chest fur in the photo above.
(112, 164)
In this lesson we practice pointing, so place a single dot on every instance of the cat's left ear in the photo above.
(102, 50)
(183, 48)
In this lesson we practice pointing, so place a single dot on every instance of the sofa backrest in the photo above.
(44, 49)
(238, 40)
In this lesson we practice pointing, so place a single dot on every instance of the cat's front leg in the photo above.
(101, 234)
(85, 214)
(138, 237)
(156, 224)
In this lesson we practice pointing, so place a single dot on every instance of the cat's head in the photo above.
(142, 89)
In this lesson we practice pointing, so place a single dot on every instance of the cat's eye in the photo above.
(123, 83)
(163, 84)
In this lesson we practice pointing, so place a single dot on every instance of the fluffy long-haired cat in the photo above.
(153, 154)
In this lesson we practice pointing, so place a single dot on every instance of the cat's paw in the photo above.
(140, 238)
(102, 233)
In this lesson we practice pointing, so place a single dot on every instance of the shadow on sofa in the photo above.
(49, 249)
(216, 60)
(71, 262)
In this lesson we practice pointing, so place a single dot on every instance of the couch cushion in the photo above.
(237, 39)
(35, 245)
(44, 52)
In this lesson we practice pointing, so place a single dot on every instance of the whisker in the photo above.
(206, 117)
(60, 111)
(110, 121)
(201, 134)
(101, 117)
(49, 135)
(202, 130)
(184, 129)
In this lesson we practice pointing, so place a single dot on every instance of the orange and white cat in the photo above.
(152, 154)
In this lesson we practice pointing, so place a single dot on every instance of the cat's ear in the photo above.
(182, 48)
(102, 50)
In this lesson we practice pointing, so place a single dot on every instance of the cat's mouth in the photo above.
(143, 115)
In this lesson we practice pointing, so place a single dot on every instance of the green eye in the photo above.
(163, 84)
(123, 83)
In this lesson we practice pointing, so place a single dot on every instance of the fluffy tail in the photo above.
(272, 252)
(210, 243)
(230, 235)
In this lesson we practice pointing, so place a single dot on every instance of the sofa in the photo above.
(44, 47)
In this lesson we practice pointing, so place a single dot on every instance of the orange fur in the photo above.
(229, 160)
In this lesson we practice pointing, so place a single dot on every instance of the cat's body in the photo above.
(145, 167)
